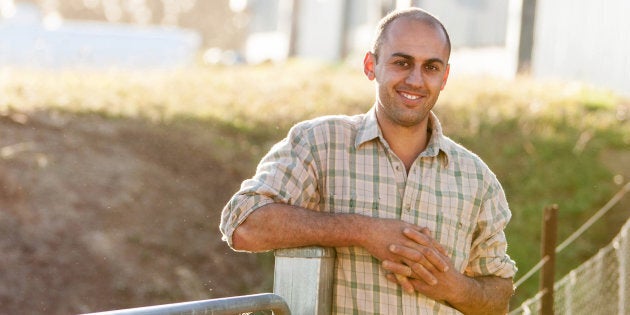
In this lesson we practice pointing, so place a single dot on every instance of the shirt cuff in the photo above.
(237, 211)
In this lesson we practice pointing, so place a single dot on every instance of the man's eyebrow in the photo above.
(409, 57)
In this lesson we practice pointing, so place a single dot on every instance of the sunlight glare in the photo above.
(238, 5)
(7, 8)
(52, 20)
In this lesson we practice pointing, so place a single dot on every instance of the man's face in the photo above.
(411, 70)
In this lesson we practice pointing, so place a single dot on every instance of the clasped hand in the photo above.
(423, 265)
(412, 257)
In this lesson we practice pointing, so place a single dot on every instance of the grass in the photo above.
(544, 140)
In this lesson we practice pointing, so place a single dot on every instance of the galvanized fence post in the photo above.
(304, 278)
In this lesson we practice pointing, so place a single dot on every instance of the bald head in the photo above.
(416, 14)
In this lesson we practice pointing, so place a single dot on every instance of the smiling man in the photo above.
(416, 220)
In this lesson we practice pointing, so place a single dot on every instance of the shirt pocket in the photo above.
(352, 202)
(360, 201)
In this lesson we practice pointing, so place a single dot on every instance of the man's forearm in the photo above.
(282, 226)
(484, 295)
(277, 226)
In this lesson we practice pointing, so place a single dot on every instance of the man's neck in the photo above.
(406, 142)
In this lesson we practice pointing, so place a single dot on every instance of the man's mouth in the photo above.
(409, 96)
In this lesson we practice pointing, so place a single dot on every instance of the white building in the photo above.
(581, 40)
(333, 30)
(29, 39)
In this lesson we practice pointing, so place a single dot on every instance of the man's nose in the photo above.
(415, 77)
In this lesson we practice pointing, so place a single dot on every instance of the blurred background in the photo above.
(547, 39)
(126, 125)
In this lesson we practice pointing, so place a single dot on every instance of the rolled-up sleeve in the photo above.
(488, 255)
(284, 175)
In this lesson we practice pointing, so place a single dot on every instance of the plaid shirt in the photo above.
(343, 164)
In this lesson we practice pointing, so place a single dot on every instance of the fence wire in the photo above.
(601, 285)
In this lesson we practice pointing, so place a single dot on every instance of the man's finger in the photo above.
(424, 237)
(417, 271)
(427, 256)
(404, 283)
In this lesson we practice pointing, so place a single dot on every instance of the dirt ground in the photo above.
(99, 214)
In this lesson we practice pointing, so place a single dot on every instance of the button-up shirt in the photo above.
(342, 164)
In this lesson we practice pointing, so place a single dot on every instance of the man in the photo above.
(416, 220)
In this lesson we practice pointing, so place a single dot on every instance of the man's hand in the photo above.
(421, 257)
(379, 235)
(436, 277)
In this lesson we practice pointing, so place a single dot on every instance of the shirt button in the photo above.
(407, 207)
(398, 168)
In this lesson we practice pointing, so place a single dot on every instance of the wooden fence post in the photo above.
(548, 251)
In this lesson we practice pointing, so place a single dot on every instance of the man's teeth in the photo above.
(409, 96)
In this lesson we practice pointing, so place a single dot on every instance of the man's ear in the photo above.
(445, 78)
(368, 65)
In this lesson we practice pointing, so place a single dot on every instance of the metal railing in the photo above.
(303, 280)
(223, 306)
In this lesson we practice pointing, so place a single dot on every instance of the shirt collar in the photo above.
(370, 130)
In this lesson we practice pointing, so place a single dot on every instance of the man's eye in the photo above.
(432, 68)
(402, 63)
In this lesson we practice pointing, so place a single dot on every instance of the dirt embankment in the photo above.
(99, 214)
